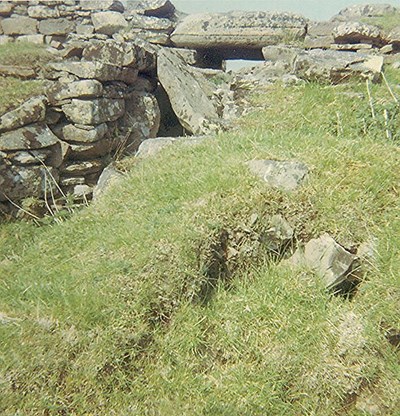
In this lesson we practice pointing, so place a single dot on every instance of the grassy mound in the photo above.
(123, 309)
(13, 90)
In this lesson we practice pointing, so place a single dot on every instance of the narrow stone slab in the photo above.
(36, 136)
(93, 112)
(285, 175)
(238, 29)
(73, 134)
(17, 72)
(19, 26)
(56, 26)
(97, 70)
(31, 111)
(82, 168)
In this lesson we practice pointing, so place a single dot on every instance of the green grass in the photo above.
(14, 91)
(108, 312)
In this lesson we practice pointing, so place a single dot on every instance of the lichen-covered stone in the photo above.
(19, 26)
(60, 26)
(72, 134)
(108, 23)
(60, 91)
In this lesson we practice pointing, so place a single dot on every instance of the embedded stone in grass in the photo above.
(278, 235)
(328, 259)
(285, 175)
(109, 176)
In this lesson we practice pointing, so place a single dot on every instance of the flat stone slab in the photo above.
(108, 23)
(19, 26)
(94, 112)
(31, 111)
(36, 136)
(238, 30)
(60, 91)
(72, 134)
(284, 175)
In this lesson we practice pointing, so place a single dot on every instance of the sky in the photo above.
(313, 9)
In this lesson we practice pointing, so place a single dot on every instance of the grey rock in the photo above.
(93, 112)
(284, 175)
(19, 182)
(108, 177)
(157, 8)
(359, 11)
(188, 91)
(111, 52)
(17, 72)
(43, 12)
(141, 120)
(82, 168)
(59, 91)
(329, 259)
(108, 23)
(60, 26)
(6, 8)
(278, 235)
(19, 26)
(337, 66)
(36, 39)
(97, 70)
(355, 32)
(82, 191)
(84, 29)
(277, 53)
(394, 37)
(93, 150)
(31, 111)
(35, 136)
(238, 30)
(73, 134)
(319, 35)
(138, 21)
(92, 5)
(31, 157)
(362, 47)
(152, 147)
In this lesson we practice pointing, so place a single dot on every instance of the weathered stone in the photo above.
(394, 36)
(351, 47)
(141, 120)
(37, 39)
(151, 23)
(361, 11)
(31, 111)
(87, 151)
(337, 66)
(17, 72)
(111, 52)
(152, 147)
(386, 49)
(355, 32)
(278, 235)
(277, 53)
(82, 168)
(285, 175)
(79, 89)
(84, 29)
(108, 177)
(56, 26)
(93, 112)
(97, 70)
(73, 134)
(157, 8)
(19, 26)
(188, 92)
(19, 182)
(36, 136)
(238, 30)
(330, 260)
(43, 12)
(72, 181)
(319, 35)
(82, 191)
(99, 4)
(108, 23)
(6, 8)
(31, 157)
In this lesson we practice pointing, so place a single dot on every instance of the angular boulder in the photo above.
(35, 136)
(337, 66)
(329, 259)
(285, 175)
(362, 11)
(94, 112)
(250, 30)
(31, 111)
(19, 26)
(108, 23)
(188, 91)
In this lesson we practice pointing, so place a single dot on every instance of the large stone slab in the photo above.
(19, 26)
(31, 137)
(108, 23)
(337, 66)
(31, 111)
(187, 91)
(59, 91)
(355, 32)
(111, 52)
(94, 112)
(238, 30)
(43, 12)
(97, 70)
(56, 26)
